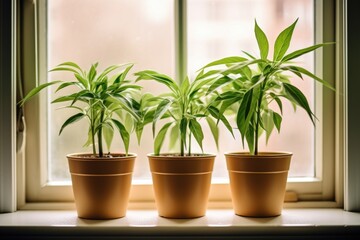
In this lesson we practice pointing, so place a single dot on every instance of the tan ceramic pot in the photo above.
(258, 183)
(101, 186)
(181, 184)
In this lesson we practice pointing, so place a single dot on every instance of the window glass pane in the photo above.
(142, 32)
(109, 32)
(221, 28)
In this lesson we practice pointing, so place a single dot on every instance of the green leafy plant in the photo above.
(251, 84)
(103, 100)
(184, 105)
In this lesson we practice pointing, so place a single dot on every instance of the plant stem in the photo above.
(101, 154)
(189, 143)
(182, 139)
(258, 111)
(92, 129)
(181, 147)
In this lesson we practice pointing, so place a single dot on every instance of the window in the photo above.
(145, 32)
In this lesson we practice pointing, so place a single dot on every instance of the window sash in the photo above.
(328, 158)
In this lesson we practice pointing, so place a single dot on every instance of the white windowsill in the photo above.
(222, 222)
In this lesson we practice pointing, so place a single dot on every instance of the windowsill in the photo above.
(292, 222)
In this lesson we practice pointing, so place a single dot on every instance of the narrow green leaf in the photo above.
(224, 61)
(82, 80)
(89, 139)
(313, 76)
(185, 86)
(36, 90)
(174, 136)
(299, 99)
(217, 115)
(72, 119)
(218, 83)
(249, 55)
(277, 120)
(303, 51)
(245, 113)
(108, 133)
(277, 100)
(268, 123)
(92, 72)
(196, 129)
(67, 69)
(71, 64)
(139, 130)
(125, 72)
(214, 130)
(160, 110)
(159, 140)
(183, 130)
(124, 134)
(262, 41)
(282, 42)
(161, 78)
(66, 84)
(250, 139)
(64, 99)
(107, 71)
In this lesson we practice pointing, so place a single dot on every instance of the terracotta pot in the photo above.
(181, 184)
(101, 186)
(258, 182)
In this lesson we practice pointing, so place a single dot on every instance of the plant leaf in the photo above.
(174, 136)
(306, 72)
(66, 84)
(72, 119)
(183, 129)
(277, 100)
(214, 130)
(277, 120)
(196, 129)
(71, 64)
(160, 110)
(218, 83)
(216, 114)
(282, 42)
(159, 140)
(245, 114)
(124, 134)
(227, 60)
(108, 133)
(299, 99)
(125, 72)
(82, 80)
(161, 78)
(303, 51)
(36, 91)
(262, 41)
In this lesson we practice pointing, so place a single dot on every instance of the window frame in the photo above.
(323, 190)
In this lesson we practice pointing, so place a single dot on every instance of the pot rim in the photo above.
(274, 154)
(171, 155)
(79, 156)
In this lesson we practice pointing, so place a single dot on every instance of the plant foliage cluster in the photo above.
(245, 83)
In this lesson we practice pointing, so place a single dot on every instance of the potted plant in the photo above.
(101, 181)
(249, 84)
(181, 180)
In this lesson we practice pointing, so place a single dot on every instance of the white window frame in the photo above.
(324, 190)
